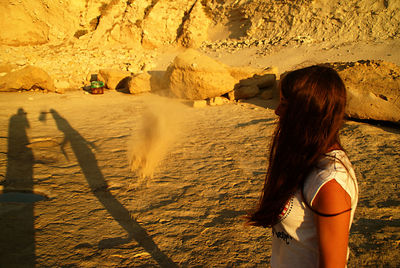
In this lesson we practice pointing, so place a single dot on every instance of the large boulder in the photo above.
(367, 105)
(27, 78)
(140, 83)
(248, 73)
(253, 82)
(195, 76)
(7, 68)
(373, 89)
(246, 92)
(261, 81)
(114, 79)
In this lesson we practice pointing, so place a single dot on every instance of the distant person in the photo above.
(310, 192)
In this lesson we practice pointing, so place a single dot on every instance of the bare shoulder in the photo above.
(331, 198)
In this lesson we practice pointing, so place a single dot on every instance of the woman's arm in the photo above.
(333, 231)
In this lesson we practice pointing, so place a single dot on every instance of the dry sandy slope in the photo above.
(190, 212)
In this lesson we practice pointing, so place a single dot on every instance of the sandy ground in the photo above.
(209, 166)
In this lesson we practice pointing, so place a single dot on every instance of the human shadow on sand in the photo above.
(17, 233)
(99, 188)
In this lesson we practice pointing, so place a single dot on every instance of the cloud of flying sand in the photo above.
(160, 127)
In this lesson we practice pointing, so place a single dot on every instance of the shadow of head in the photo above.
(21, 111)
(61, 123)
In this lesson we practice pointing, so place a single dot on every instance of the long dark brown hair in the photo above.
(311, 113)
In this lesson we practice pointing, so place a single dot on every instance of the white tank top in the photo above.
(294, 238)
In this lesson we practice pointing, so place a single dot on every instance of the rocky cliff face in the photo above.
(154, 23)
(148, 23)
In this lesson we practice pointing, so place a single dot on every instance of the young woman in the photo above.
(310, 192)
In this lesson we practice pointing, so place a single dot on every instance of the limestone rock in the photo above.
(26, 78)
(7, 68)
(61, 86)
(245, 72)
(195, 103)
(112, 78)
(140, 83)
(252, 81)
(218, 101)
(161, 22)
(116, 23)
(373, 89)
(38, 22)
(21, 28)
(370, 106)
(195, 28)
(261, 81)
(267, 94)
(231, 95)
(196, 76)
(246, 92)
(267, 22)
(199, 103)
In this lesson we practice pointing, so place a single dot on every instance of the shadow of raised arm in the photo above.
(99, 188)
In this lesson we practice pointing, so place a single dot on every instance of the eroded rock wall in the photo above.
(154, 23)
(37, 22)
(308, 20)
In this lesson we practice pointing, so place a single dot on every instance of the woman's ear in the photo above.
(282, 105)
